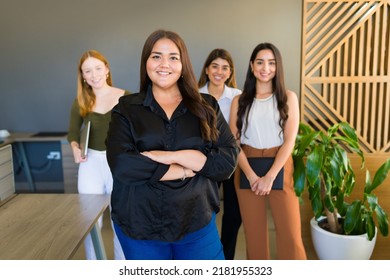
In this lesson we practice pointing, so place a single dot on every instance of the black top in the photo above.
(143, 206)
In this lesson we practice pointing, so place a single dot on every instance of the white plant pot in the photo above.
(331, 246)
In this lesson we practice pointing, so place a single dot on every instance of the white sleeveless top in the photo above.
(264, 130)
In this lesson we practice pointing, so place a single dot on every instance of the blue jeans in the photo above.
(203, 244)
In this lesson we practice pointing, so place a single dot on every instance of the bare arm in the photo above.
(182, 163)
(242, 159)
(190, 159)
(290, 134)
(176, 171)
(77, 152)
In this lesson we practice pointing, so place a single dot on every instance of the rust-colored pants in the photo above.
(284, 205)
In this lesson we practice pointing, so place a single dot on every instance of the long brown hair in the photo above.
(249, 92)
(85, 95)
(218, 53)
(187, 83)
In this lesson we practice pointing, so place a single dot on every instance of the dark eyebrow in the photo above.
(273, 59)
(223, 65)
(162, 53)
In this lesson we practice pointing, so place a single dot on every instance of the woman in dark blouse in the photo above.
(167, 147)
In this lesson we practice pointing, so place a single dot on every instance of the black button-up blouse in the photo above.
(142, 205)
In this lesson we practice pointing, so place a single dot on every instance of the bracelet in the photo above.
(184, 175)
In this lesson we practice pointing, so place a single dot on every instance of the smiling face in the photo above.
(94, 72)
(218, 71)
(164, 65)
(264, 66)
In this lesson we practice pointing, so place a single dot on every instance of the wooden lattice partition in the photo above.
(346, 68)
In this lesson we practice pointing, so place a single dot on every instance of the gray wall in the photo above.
(42, 41)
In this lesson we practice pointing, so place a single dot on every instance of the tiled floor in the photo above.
(107, 238)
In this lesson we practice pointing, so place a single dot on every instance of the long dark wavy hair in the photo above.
(249, 92)
(187, 83)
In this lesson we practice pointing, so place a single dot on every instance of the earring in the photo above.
(85, 81)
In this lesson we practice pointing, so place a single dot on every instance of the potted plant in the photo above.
(322, 165)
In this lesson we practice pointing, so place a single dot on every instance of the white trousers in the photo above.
(94, 177)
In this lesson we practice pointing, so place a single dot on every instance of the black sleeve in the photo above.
(126, 163)
(221, 155)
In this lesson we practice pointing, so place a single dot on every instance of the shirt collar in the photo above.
(225, 93)
(153, 105)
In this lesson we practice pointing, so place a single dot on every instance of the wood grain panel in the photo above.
(345, 68)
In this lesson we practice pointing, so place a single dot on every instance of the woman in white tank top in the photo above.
(265, 119)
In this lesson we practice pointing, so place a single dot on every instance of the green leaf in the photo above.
(349, 131)
(383, 220)
(370, 227)
(315, 199)
(367, 187)
(305, 143)
(349, 142)
(340, 201)
(304, 139)
(332, 130)
(314, 165)
(349, 181)
(329, 203)
(299, 176)
(352, 216)
(304, 129)
(379, 177)
(372, 201)
(335, 169)
(350, 139)
(342, 157)
(343, 209)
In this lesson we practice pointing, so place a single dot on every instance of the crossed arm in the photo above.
(182, 164)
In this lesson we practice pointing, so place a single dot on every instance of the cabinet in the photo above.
(7, 185)
(69, 167)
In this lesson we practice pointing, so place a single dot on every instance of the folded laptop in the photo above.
(84, 139)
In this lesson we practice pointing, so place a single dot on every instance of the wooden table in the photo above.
(50, 226)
